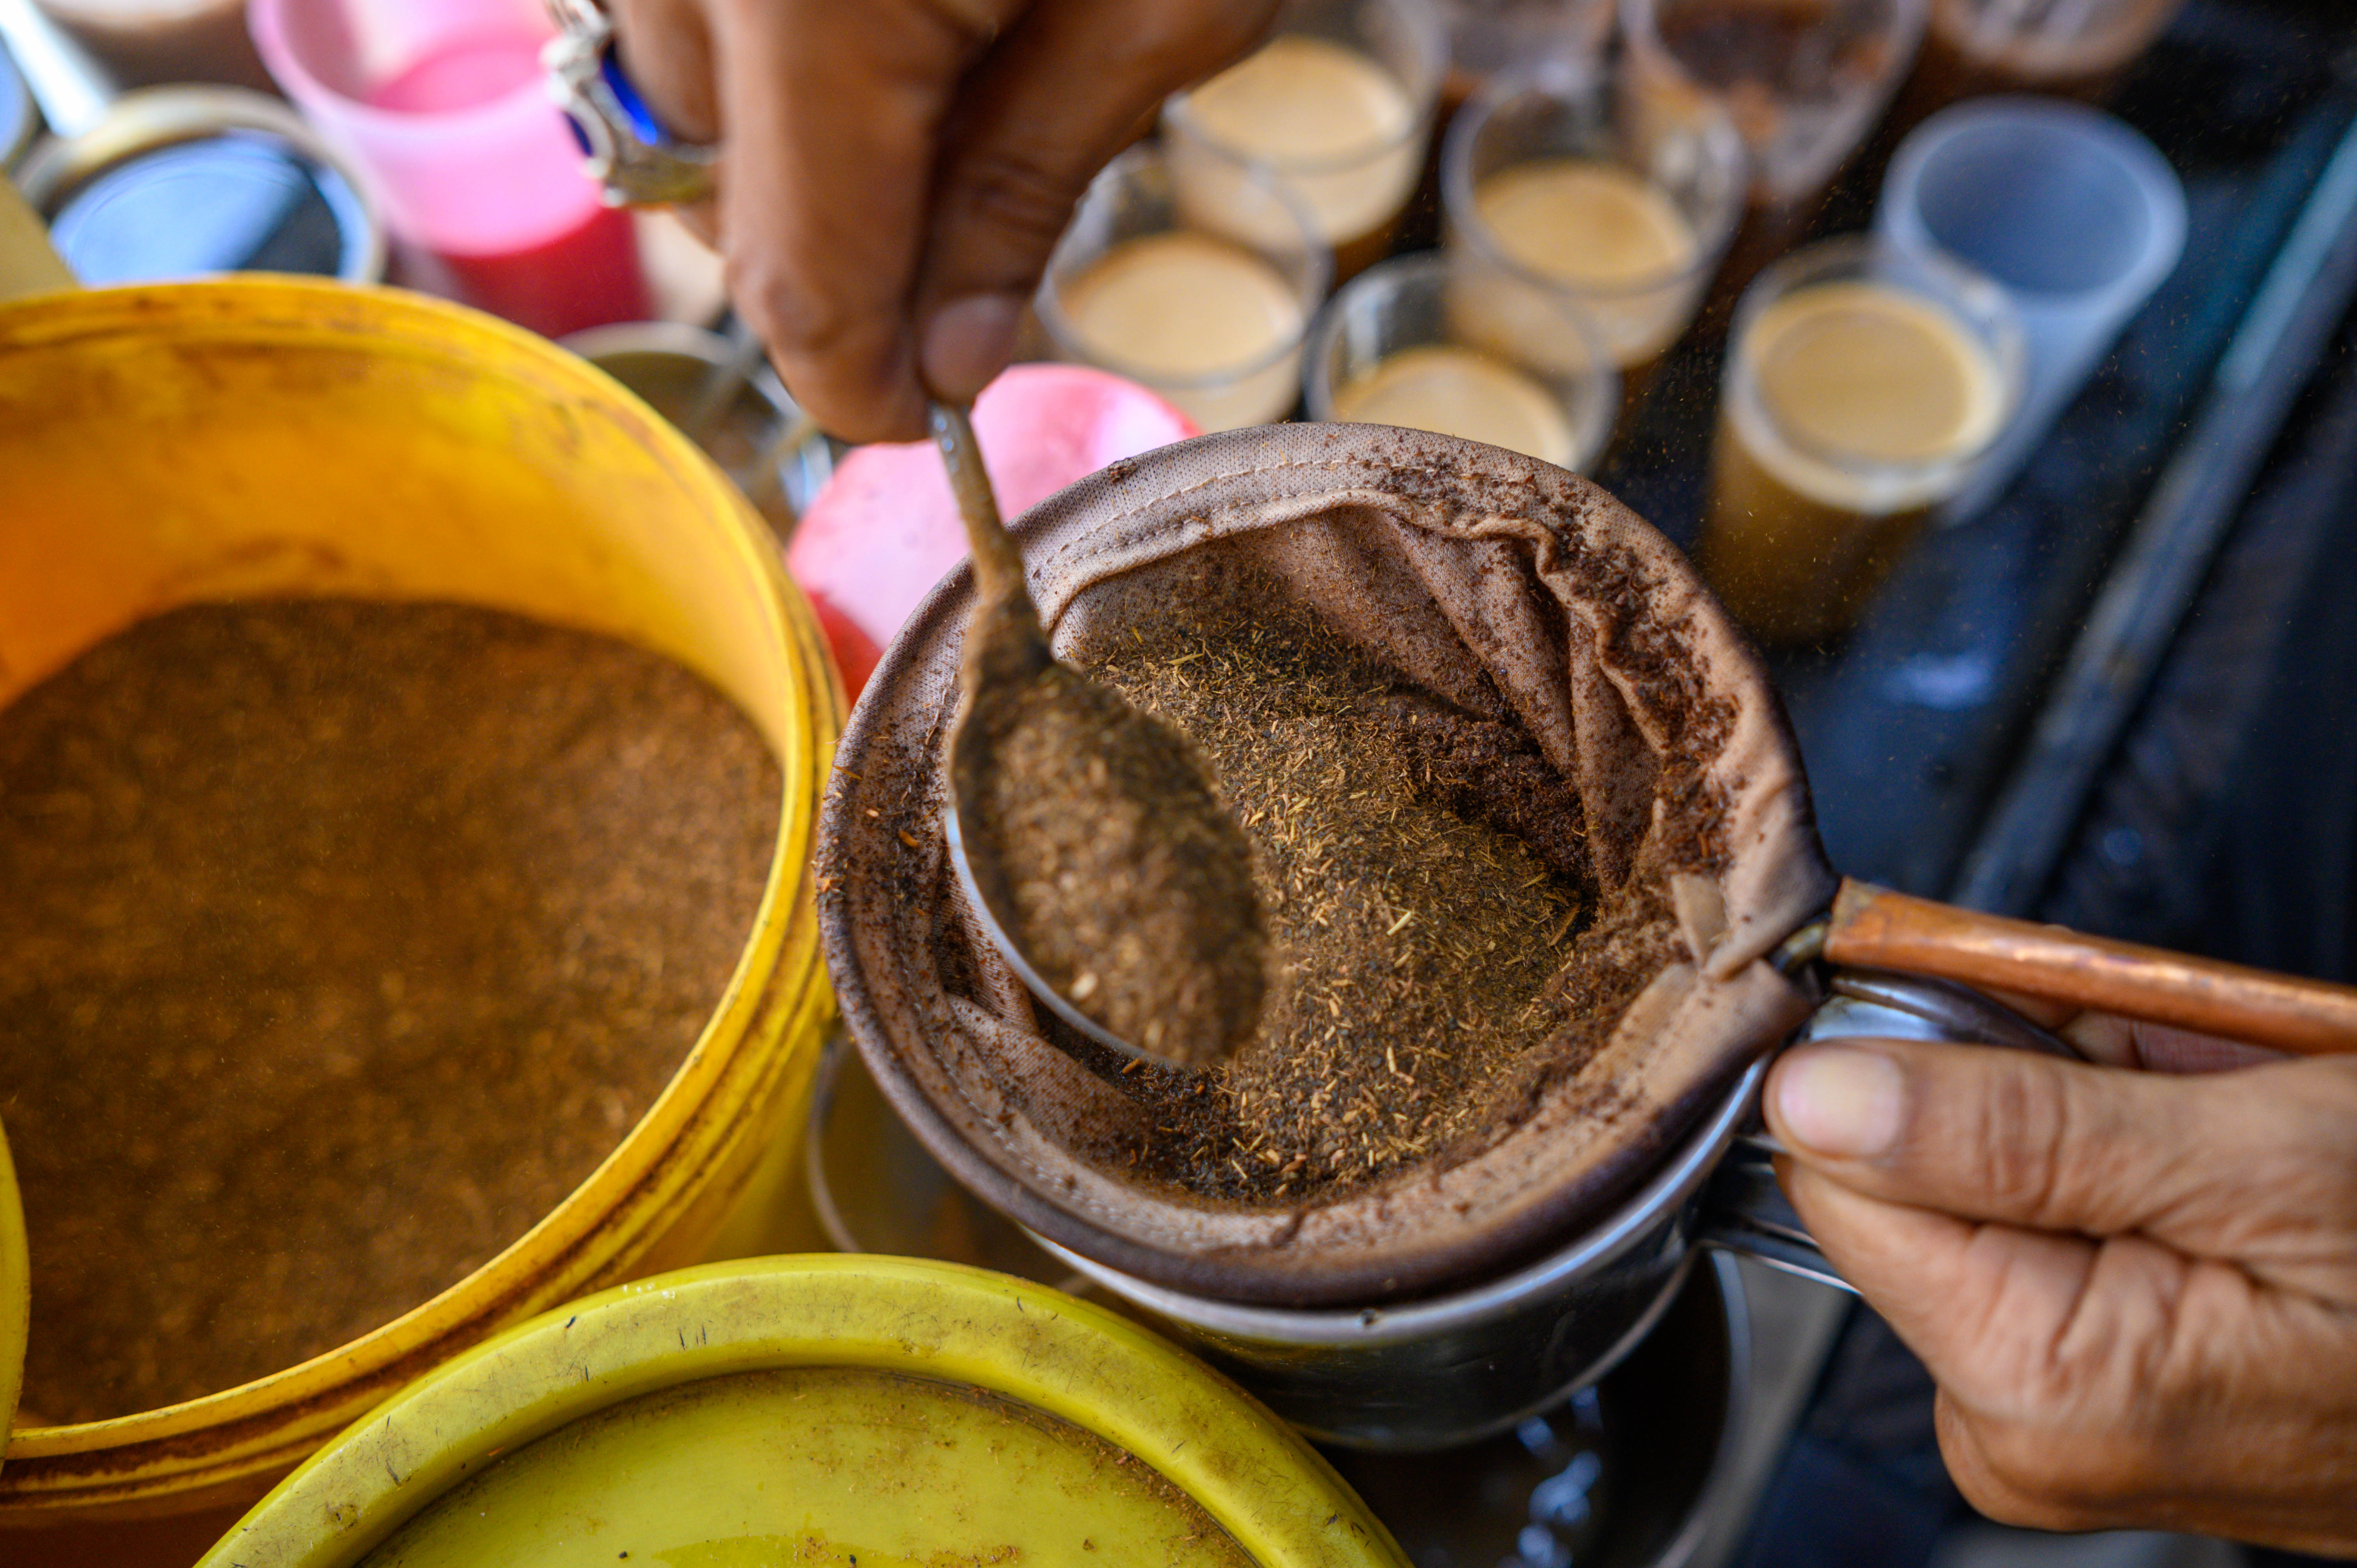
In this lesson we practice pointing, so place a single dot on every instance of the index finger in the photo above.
(829, 114)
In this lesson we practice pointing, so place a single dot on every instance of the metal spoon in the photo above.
(1196, 918)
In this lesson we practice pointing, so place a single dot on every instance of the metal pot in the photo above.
(1460, 1367)
(760, 438)
(114, 190)
(1639, 1472)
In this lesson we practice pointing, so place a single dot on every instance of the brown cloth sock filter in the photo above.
(1504, 587)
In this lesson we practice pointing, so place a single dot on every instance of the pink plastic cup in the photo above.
(885, 529)
(440, 105)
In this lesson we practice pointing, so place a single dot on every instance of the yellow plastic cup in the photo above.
(255, 437)
(822, 1410)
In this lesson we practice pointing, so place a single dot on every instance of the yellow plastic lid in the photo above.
(876, 1411)
(15, 1293)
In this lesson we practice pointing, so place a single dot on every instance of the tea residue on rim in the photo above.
(338, 942)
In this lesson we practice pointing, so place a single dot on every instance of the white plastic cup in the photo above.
(2074, 215)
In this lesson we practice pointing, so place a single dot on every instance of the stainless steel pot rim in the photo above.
(151, 117)
(685, 340)
(1592, 1249)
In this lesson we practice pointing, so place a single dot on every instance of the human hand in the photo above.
(2138, 1290)
(896, 171)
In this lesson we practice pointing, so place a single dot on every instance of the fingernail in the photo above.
(968, 342)
(1841, 1101)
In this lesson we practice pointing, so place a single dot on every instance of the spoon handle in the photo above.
(1874, 927)
(997, 563)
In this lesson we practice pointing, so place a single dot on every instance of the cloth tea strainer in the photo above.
(1512, 594)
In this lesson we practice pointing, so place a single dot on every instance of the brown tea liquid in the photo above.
(1463, 392)
(1853, 409)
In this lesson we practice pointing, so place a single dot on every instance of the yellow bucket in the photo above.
(828, 1409)
(16, 1294)
(267, 436)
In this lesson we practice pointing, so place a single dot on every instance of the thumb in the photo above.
(2030, 1141)
(1062, 92)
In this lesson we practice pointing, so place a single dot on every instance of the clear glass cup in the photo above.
(1337, 107)
(1390, 350)
(2076, 49)
(761, 439)
(1804, 80)
(1562, 187)
(1863, 386)
(1210, 318)
(1493, 38)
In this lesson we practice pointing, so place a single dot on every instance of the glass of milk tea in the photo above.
(1390, 350)
(1862, 386)
(1337, 107)
(1560, 186)
(1213, 322)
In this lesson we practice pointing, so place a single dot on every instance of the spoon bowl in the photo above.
(1088, 835)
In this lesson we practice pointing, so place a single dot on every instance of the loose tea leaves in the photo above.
(338, 941)
(1444, 949)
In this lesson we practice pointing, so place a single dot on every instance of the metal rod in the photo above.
(73, 89)
(761, 480)
(997, 563)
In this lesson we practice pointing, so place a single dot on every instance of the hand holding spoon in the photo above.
(1087, 834)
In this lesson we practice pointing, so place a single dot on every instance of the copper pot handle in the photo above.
(1873, 927)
